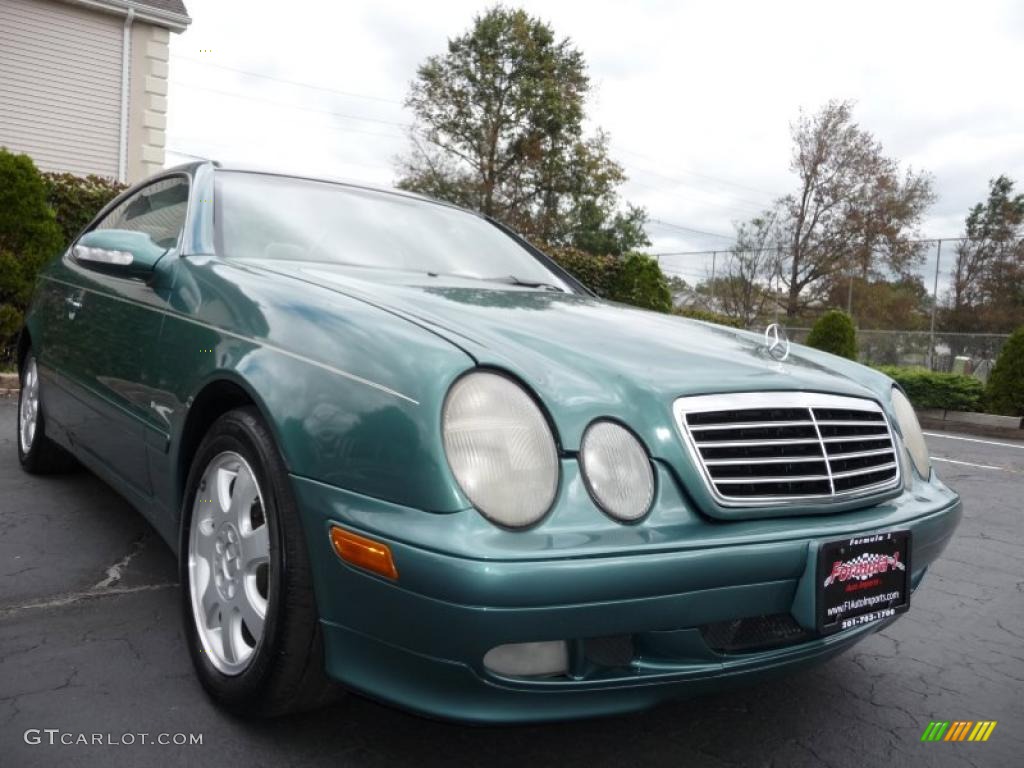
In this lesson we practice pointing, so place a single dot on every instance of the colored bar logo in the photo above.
(958, 730)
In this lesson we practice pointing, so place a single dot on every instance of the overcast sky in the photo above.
(697, 96)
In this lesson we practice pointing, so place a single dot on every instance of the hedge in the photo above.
(29, 235)
(707, 316)
(834, 332)
(40, 213)
(598, 273)
(632, 279)
(1005, 391)
(77, 199)
(641, 282)
(946, 391)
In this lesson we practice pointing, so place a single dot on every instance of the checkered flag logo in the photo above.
(864, 566)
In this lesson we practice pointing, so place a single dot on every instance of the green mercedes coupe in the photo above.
(399, 450)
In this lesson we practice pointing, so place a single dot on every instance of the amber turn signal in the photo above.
(363, 552)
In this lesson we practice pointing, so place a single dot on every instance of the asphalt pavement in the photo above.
(91, 643)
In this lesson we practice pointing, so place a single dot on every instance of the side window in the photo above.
(158, 210)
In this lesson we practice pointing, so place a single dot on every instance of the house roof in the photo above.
(165, 13)
(174, 6)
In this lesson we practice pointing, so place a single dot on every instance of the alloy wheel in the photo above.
(229, 563)
(28, 415)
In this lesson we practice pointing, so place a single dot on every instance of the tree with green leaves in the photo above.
(987, 290)
(29, 235)
(499, 128)
(1005, 388)
(854, 210)
(884, 302)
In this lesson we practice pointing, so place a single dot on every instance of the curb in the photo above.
(969, 417)
(9, 385)
(979, 424)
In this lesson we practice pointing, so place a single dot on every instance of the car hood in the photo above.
(587, 357)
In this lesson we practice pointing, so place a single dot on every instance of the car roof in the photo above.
(191, 166)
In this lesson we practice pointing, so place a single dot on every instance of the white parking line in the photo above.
(970, 464)
(1019, 446)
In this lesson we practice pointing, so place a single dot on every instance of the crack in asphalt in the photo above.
(105, 587)
(72, 598)
(115, 572)
(13, 699)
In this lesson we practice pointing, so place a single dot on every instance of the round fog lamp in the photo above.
(542, 659)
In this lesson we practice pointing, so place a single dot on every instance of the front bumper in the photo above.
(420, 642)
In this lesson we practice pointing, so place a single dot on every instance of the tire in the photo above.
(37, 453)
(284, 669)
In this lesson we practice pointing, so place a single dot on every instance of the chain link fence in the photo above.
(969, 353)
(902, 319)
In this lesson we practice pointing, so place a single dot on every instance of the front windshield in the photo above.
(280, 217)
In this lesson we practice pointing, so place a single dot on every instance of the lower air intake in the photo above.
(613, 651)
(753, 634)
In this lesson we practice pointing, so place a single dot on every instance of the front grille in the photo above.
(753, 634)
(767, 448)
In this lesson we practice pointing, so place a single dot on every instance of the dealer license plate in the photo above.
(863, 579)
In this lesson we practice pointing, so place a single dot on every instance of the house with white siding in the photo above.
(83, 83)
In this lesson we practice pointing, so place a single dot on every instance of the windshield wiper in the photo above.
(513, 280)
(506, 279)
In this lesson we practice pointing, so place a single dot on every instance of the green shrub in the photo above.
(10, 324)
(642, 284)
(77, 199)
(599, 273)
(707, 316)
(29, 235)
(634, 279)
(946, 391)
(834, 332)
(1005, 391)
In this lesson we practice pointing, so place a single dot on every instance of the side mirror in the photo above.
(118, 251)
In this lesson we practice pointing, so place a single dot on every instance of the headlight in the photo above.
(617, 471)
(913, 438)
(500, 449)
